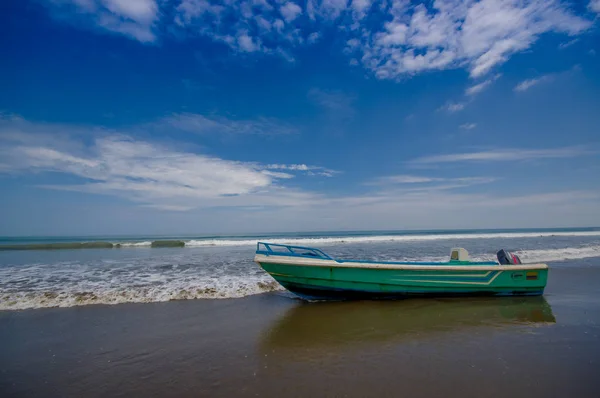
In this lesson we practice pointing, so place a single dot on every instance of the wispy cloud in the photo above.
(505, 155)
(333, 101)
(135, 19)
(290, 11)
(478, 88)
(402, 179)
(453, 107)
(594, 5)
(426, 181)
(202, 124)
(313, 37)
(310, 170)
(470, 93)
(567, 44)
(468, 126)
(143, 171)
(528, 83)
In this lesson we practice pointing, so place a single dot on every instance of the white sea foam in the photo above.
(527, 256)
(549, 255)
(156, 290)
(135, 244)
(384, 238)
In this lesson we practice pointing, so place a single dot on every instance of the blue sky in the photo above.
(202, 116)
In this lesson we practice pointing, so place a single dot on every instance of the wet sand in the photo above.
(274, 345)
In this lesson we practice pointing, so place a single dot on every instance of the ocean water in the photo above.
(67, 271)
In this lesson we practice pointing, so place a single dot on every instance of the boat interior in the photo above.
(457, 255)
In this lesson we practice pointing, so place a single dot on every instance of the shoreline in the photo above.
(180, 289)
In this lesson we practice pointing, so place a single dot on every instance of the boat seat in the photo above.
(459, 254)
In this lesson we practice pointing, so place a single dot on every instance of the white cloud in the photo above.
(351, 46)
(249, 26)
(527, 84)
(142, 171)
(309, 170)
(430, 183)
(360, 8)
(468, 126)
(188, 10)
(263, 23)
(405, 179)
(143, 11)
(453, 107)
(121, 164)
(290, 11)
(313, 37)
(278, 174)
(302, 167)
(594, 5)
(279, 25)
(567, 44)
(478, 88)
(133, 18)
(331, 9)
(504, 155)
(450, 34)
(247, 43)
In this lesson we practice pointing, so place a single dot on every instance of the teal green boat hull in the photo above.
(316, 282)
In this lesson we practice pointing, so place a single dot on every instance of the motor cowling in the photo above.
(506, 257)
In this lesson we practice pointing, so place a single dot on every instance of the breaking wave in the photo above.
(183, 290)
(550, 255)
(302, 241)
(386, 238)
(527, 256)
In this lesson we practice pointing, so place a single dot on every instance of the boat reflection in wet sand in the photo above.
(327, 325)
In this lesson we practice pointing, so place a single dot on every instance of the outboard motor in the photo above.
(505, 257)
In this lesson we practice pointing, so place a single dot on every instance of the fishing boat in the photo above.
(312, 274)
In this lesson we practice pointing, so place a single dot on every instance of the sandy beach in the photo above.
(273, 344)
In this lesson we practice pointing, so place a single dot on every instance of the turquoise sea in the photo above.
(67, 271)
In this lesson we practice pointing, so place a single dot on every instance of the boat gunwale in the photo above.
(320, 262)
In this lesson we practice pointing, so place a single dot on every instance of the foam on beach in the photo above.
(69, 296)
